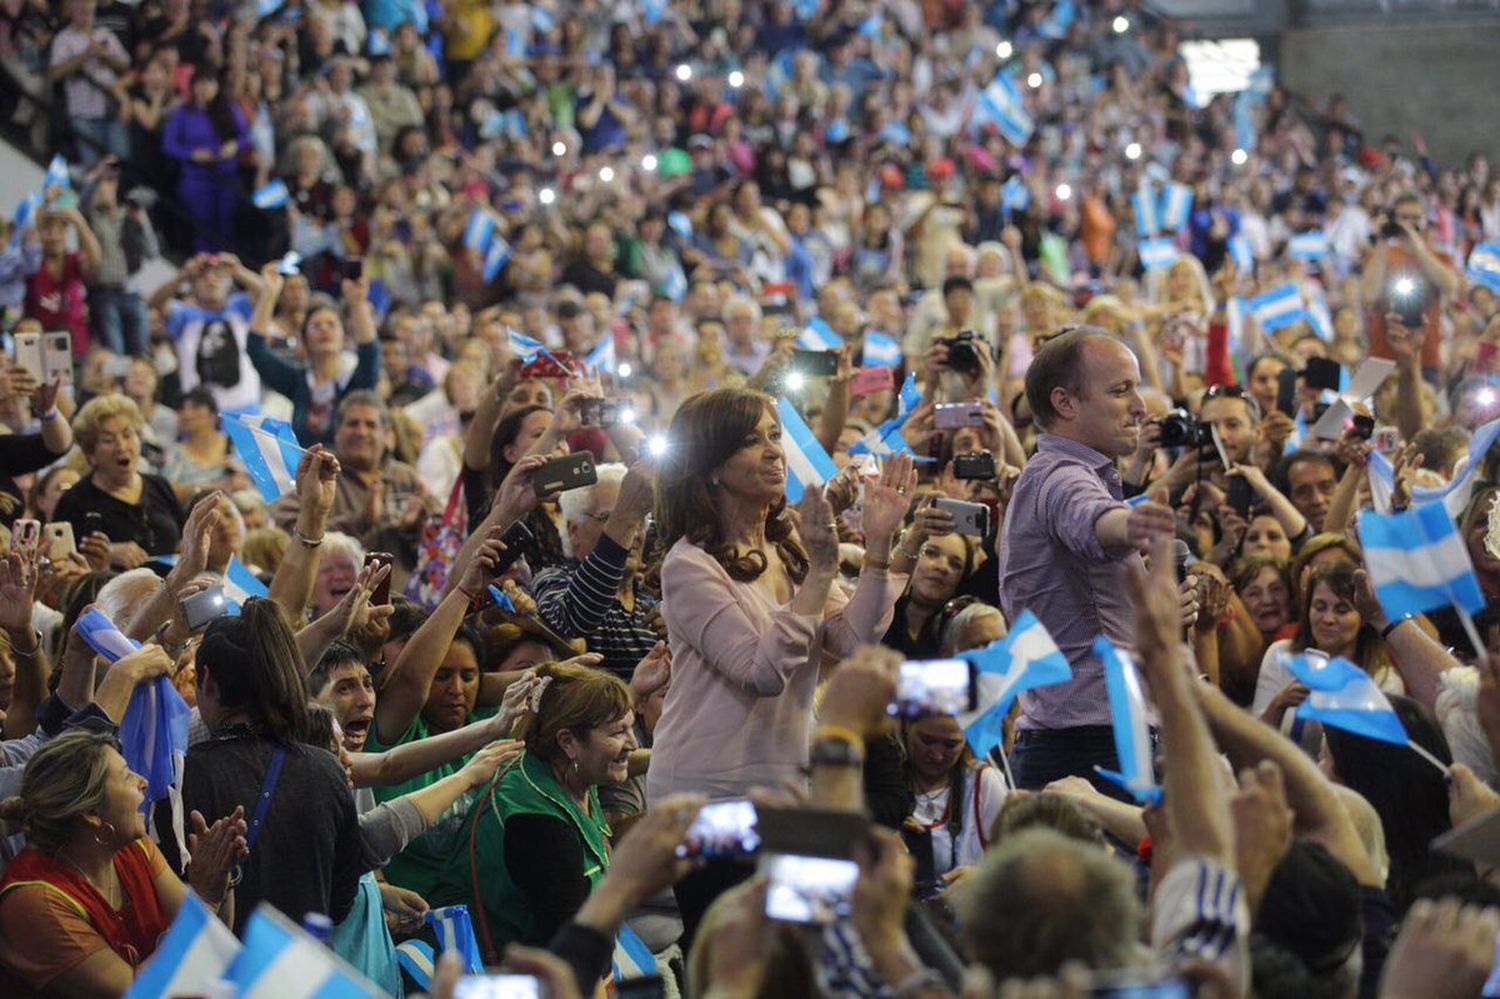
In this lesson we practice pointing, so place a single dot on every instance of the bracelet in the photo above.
(36, 648)
(1386, 631)
(871, 563)
(51, 414)
(838, 733)
(901, 548)
(303, 539)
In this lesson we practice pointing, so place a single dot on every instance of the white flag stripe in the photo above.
(1428, 566)
(300, 970)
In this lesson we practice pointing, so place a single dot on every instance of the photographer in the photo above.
(1402, 254)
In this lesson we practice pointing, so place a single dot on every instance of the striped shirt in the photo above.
(1198, 914)
(581, 600)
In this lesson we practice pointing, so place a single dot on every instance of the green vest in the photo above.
(527, 789)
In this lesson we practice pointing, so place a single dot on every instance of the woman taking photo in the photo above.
(204, 459)
(750, 604)
(316, 388)
(83, 906)
(306, 856)
(138, 512)
(535, 837)
(957, 798)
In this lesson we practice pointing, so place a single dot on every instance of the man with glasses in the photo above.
(1403, 266)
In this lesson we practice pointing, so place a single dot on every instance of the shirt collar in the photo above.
(1096, 460)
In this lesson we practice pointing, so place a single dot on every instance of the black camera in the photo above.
(979, 465)
(963, 352)
(1179, 428)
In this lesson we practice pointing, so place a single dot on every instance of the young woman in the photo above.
(942, 563)
(956, 801)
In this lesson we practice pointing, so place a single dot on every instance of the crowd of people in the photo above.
(448, 244)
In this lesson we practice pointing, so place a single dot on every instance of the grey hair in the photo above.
(126, 593)
(339, 543)
(575, 503)
(953, 631)
(738, 301)
(1080, 905)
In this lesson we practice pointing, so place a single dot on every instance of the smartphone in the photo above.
(57, 355)
(517, 539)
(561, 474)
(353, 268)
(725, 828)
(500, 987)
(934, 687)
(813, 891)
(972, 519)
(1286, 391)
(868, 381)
(1387, 440)
(93, 523)
(606, 413)
(953, 415)
(815, 363)
(1404, 296)
(29, 355)
(1363, 426)
(1241, 496)
(979, 465)
(60, 541)
(201, 608)
(645, 987)
(382, 595)
(26, 537)
(1321, 373)
(560, 364)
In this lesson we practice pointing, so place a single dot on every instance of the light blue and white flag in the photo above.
(1157, 254)
(1056, 24)
(680, 223)
(1127, 708)
(289, 264)
(1382, 481)
(525, 347)
(1147, 217)
(1176, 206)
(632, 958)
(909, 398)
(542, 20)
(274, 195)
(1343, 696)
(1418, 561)
(455, 931)
(818, 335)
(1321, 320)
(872, 26)
(601, 359)
(416, 958)
(1015, 196)
(57, 174)
(280, 961)
(480, 231)
(883, 442)
(269, 449)
(1025, 659)
(1484, 266)
(502, 600)
(196, 951)
(881, 351)
(1278, 308)
(1003, 104)
(378, 44)
(807, 464)
(652, 11)
(240, 585)
(25, 217)
(100, 634)
(1241, 252)
(265, 8)
(1455, 494)
(1310, 245)
(496, 256)
(515, 43)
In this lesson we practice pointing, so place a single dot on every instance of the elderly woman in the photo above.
(535, 838)
(139, 512)
(204, 458)
(317, 388)
(84, 905)
(750, 605)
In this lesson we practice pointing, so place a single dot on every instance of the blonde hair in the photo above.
(265, 547)
(64, 781)
(88, 421)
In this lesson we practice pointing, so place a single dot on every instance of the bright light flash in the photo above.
(1239, 157)
(656, 445)
(1404, 286)
(1034, 81)
(795, 381)
(546, 196)
(627, 417)
(1064, 192)
(606, 174)
(1133, 151)
(625, 371)
(736, 79)
(684, 72)
(1485, 397)
(1121, 24)
(1004, 50)
(559, 149)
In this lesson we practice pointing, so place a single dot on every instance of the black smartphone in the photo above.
(645, 987)
(561, 474)
(1322, 373)
(815, 363)
(980, 465)
(354, 268)
(1364, 426)
(518, 540)
(1241, 496)
(93, 521)
(1286, 391)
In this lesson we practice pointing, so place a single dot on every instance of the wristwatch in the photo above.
(836, 753)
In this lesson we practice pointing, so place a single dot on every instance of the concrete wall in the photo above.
(1441, 80)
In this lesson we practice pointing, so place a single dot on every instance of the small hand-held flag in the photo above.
(807, 464)
(269, 449)
(818, 335)
(1127, 708)
(195, 951)
(1343, 696)
(455, 931)
(1023, 660)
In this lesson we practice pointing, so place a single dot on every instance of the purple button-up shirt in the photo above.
(1051, 562)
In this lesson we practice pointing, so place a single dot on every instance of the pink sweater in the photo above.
(739, 711)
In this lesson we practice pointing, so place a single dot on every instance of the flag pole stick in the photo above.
(1479, 648)
(1010, 778)
(1422, 752)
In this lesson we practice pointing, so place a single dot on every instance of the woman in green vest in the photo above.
(535, 839)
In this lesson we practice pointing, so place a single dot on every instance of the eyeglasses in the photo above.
(1231, 391)
(952, 607)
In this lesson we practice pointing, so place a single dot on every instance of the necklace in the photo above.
(113, 897)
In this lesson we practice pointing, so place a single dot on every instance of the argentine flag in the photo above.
(1310, 245)
(1484, 266)
(25, 217)
(274, 195)
(525, 347)
(881, 351)
(196, 951)
(884, 441)
(1418, 561)
(601, 359)
(1157, 254)
(807, 464)
(1343, 696)
(57, 174)
(496, 256)
(1382, 481)
(1025, 659)
(240, 585)
(1015, 196)
(480, 231)
(818, 335)
(1003, 104)
(1278, 308)
(455, 931)
(542, 20)
(1176, 206)
(269, 449)
(1147, 219)
(1241, 253)
(1454, 496)
(632, 958)
(280, 961)
(1127, 708)
(675, 284)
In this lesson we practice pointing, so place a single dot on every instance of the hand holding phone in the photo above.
(382, 595)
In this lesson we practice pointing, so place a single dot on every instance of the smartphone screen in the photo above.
(933, 687)
(815, 890)
(722, 829)
(499, 987)
(1286, 391)
(57, 355)
(1241, 495)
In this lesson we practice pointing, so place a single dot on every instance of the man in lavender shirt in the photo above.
(1070, 542)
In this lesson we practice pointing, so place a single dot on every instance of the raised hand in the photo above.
(653, 672)
(196, 536)
(215, 851)
(18, 579)
(516, 496)
(317, 481)
(886, 500)
(485, 764)
(1150, 522)
(482, 565)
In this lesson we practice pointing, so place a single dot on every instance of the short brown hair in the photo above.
(1059, 364)
(577, 699)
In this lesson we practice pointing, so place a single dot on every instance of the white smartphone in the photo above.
(816, 890)
(57, 355)
(972, 519)
(60, 542)
(25, 537)
(29, 354)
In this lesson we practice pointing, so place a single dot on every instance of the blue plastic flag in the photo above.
(881, 351)
(1127, 708)
(601, 359)
(502, 600)
(1343, 696)
(807, 464)
(1025, 659)
(269, 449)
(196, 950)
(1418, 561)
(274, 195)
(1455, 494)
(1176, 206)
(279, 956)
(455, 931)
(818, 335)
(1484, 266)
(57, 174)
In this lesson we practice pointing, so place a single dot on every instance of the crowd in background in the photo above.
(440, 241)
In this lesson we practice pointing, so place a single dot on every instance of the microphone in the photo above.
(1180, 555)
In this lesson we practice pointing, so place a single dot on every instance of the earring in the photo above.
(105, 842)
